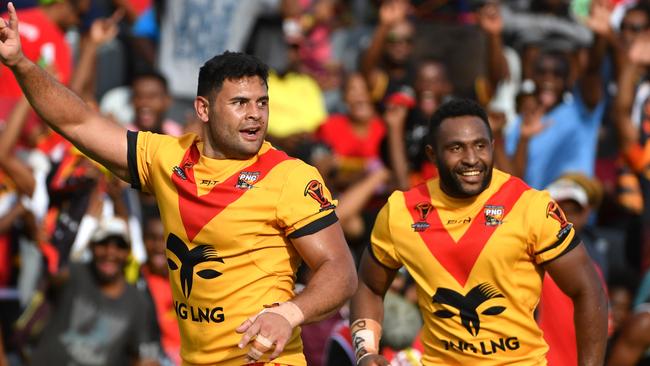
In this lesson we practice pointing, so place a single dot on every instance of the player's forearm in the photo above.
(366, 304)
(57, 105)
(330, 286)
(590, 318)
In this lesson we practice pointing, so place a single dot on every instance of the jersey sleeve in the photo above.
(551, 235)
(142, 149)
(382, 247)
(305, 205)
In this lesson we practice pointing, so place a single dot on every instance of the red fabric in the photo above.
(5, 260)
(40, 39)
(338, 133)
(556, 321)
(161, 292)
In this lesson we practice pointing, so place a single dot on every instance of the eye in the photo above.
(454, 148)
(262, 103)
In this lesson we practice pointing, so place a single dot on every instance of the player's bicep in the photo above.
(327, 244)
(105, 142)
(574, 272)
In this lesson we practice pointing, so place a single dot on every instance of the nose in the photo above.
(470, 157)
(254, 111)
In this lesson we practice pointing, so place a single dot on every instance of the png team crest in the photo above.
(493, 215)
(423, 209)
(247, 179)
(315, 190)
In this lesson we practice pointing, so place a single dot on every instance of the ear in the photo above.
(202, 106)
(431, 153)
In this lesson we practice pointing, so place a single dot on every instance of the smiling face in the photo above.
(109, 259)
(235, 118)
(464, 156)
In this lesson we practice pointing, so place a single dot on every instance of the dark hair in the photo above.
(456, 108)
(151, 74)
(229, 65)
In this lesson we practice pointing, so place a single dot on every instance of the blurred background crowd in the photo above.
(353, 84)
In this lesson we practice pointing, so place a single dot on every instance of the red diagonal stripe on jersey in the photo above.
(458, 258)
(196, 211)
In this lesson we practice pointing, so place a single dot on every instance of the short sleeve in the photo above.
(142, 147)
(305, 205)
(382, 247)
(551, 234)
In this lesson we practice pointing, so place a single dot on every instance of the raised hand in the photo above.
(639, 52)
(10, 50)
(393, 11)
(599, 18)
(104, 30)
(489, 19)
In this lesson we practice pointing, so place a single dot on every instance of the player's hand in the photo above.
(10, 50)
(267, 331)
(374, 360)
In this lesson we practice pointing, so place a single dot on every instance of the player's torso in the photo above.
(477, 284)
(226, 253)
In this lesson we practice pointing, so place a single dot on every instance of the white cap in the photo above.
(111, 227)
(566, 189)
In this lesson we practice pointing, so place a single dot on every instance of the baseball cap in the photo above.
(566, 189)
(112, 227)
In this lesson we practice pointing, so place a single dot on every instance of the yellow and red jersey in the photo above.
(228, 225)
(477, 265)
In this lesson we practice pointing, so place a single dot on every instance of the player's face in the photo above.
(463, 155)
(237, 118)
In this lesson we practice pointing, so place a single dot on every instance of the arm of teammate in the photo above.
(632, 342)
(576, 276)
(332, 283)
(64, 111)
(368, 303)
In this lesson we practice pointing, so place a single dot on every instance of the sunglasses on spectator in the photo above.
(634, 28)
(396, 38)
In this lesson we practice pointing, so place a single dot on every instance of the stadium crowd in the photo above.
(352, 86)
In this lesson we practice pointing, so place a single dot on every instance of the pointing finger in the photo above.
(13, 18)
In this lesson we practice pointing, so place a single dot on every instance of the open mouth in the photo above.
(251, 133)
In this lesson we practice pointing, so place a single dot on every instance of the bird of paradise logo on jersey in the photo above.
(189, 259)
(467, 305)
(423, 209)
(315, 190)
(554, 211)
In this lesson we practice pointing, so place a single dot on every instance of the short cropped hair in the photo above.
(229, 65)
(151, 74)
(456, 108)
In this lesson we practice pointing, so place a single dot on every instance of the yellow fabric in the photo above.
(508, 267)
(297, 104)
(249, 235)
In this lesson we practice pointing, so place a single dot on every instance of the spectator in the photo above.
(407, 118)
(151, 100)
(387, 64)
(98, 319)
(154, 279)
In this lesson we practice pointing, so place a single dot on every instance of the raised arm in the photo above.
(577, 278)
(490, 21)
(15, 168)
(367, 310)
(65, 112)
(332, 283)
